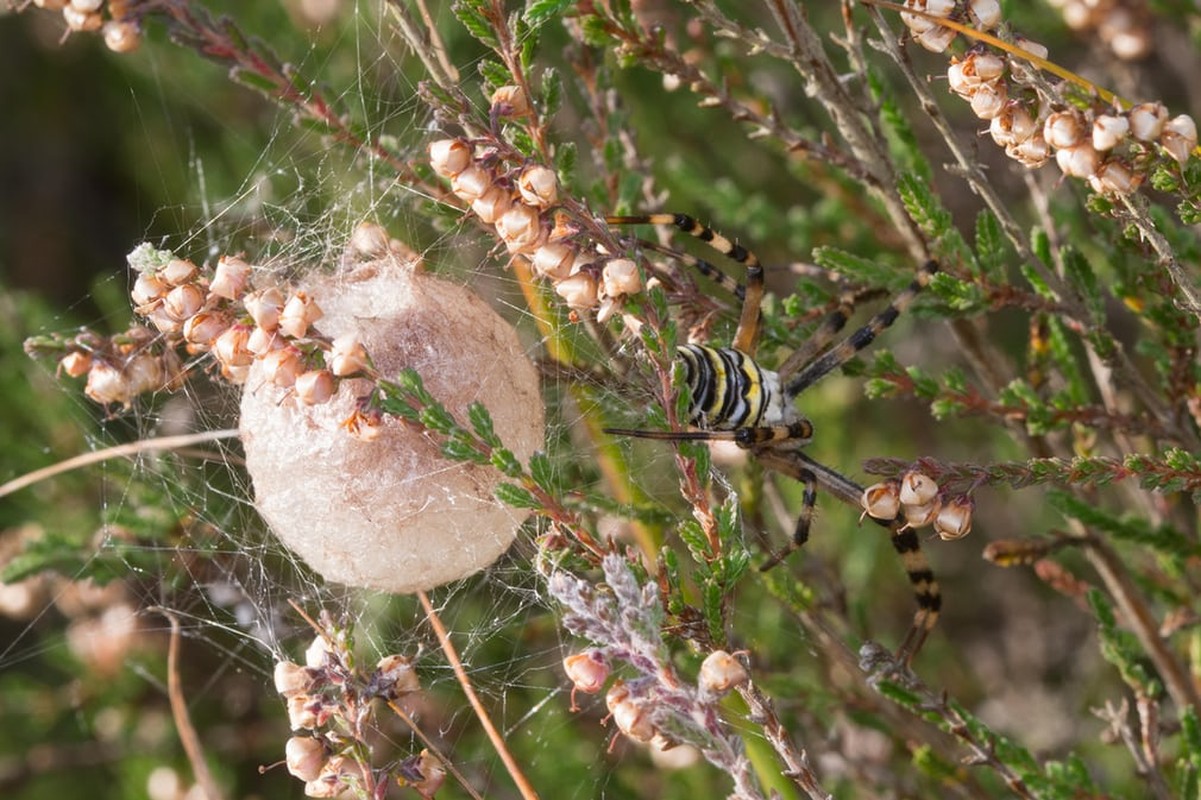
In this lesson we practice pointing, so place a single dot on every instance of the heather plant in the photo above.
(976, 218)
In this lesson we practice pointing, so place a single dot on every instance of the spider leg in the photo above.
(746, 338)
(842, 352)
(799, 466)
(800, 534)
(705, 268)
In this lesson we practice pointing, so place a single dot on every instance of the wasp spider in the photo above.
(736, 399)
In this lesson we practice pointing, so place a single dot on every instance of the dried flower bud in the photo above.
(621, 277)
(1064, 129)
(470, 184)
(721, 672)
(303, 712)
(510, 101)
(1080, 161)
(938, 8)
(299, 313)
(989, 100)
(587, 671)
(305, 757)
(882, 500)
(954, 520)
(264, 307)
(144, 373)
(291, 678)
(521, 229)
(1179, 137)
(317, 654)
(106, 384)
(283, 366)
(984, 14)
(1147, 121)
(75, 364)
(449, 157)
(230, 347)
(183, 301)
(553, 260)
(230, 278)
(1013, 125)
(1115, 177)
(121, 36)
(395, 676)
(147, 288)
(86, 6)
(917, 516)
(492, 204)
(178, 271)
(82, 21)
(432, 773)
(370, 240)
(578, 290)
(346, 356)
(261, 342)
(315, 387)
(628, 715)
(1032, 153)
(538, 186)
(1108, 131)
(1030, 46)
(203, 328)
(937, 39)
(917, 488)
(339, 775)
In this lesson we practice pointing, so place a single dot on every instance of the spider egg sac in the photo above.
(390, 512)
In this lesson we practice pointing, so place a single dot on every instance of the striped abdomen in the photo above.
(729, 390)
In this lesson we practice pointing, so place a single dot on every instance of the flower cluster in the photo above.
(1124, 26)
(917, 497)
(113, 18)
(330, 701)
(1112, 149)
(516, 200)
(217, 313)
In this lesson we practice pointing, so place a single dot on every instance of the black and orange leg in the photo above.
(800, 533)
(845, 350)
(746, 338)
(702, 267)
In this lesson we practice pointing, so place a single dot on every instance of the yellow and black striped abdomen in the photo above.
(729, 390)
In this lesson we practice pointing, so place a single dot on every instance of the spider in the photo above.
(736, 399)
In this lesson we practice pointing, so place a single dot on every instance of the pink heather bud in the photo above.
(305, 757)
(82, 21)
(1030, 46)
(1179, 137)
(230, 278)
(521, 229)
(75, 364)
(1064, 129)
(917, 516)
(587, 671)
(230, 347)
(632, 720)
(87, 6)
(553, 260)
(989, 99)
(1115, 177)
(395, 676)
(283, 366)
(721, 672)
(315, 387)
(882, 500)
(432, 772)
(183, 301)
(178, 271)
(984, 14)
(1108, 131)
(449, 157)
(106, 384)
(346, 356)
(470, 184)
(303, 712)
(937, 39)
(510, 101)
(317, 655)
(1012, 126)
(917, 488)
(1080, 161)
(919, 25)
(492, 204)
(291, 678)
(237, 374)
(264, 307)
(203, 328)
(578, 290)
(954, 521)
(621, 277)
(121, 36)
(164, 322)
(1032, 153)
(261, 342)
(339, 774)
(148, 288)
(538, 186)
(370, 240)
(299, 313)
(1147, 121)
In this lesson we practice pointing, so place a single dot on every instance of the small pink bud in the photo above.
(578, 290)
(1108, 131)
(370, 240)
(121, 36)
(1063, 129)
(283, 366)
(937, 39)
(721, 672)
(75, 364)
(1179, 137)
(1147, 121)
(106, 384)
(510, 101)
(917, 488)
(882, 500)
(988, 100)
(917, 516)
(303, 712)
(230, 348)
(553, 260)
(587, 671)
(1080, 161)
(1032, 153)
(82, 21)
(144, 373)
(521, 229)
(148, 288)
(203, 328)
(261, 342)
(632, 720)
(449, 157)
(230, 278)
(492, 204)
(264, 307)
(304, 757)
(299, 313)
(291, 678)
(1030, 46)
(346, 356)
(984, 14)
(183, 301)
(178, 271)
(621, 277)
(1115, 177)
(395, 676)
(315, 387)
(470, 184)
(954, 521)
(432, 772)
(538, 186)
